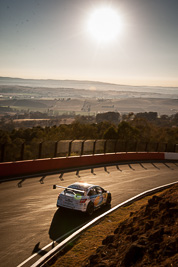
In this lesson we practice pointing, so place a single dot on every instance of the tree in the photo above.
(127, 132)
(110, 133)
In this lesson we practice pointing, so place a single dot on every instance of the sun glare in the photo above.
(104, 24)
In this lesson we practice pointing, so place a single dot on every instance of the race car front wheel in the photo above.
(90, 208)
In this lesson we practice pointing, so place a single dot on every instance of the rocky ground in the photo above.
(149, 237)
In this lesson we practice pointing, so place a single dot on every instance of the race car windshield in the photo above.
(77, 187)
(75, 190)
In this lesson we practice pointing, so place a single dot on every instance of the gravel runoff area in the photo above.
(143, 234)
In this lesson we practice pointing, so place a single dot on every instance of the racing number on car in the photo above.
(99, 199)
(104, 197)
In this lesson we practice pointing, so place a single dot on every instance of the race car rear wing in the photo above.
(70, 189)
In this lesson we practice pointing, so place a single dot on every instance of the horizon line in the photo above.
(93, 81)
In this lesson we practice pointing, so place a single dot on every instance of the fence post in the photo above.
(126, 146)
(115, 146)
(146, 147)
(165, 150)
(22, 151)
(94, 146)
(2, 152)
(136, 144)
(70, 148)
(82, 148)
(157, 146)
(55, 148)
(105, 145)
(40, 150)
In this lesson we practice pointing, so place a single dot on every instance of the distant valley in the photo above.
(85, 97)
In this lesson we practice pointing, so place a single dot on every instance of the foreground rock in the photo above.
(148, 238)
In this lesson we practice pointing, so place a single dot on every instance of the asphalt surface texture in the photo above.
(30, 219)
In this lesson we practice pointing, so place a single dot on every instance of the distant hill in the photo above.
(171, 92)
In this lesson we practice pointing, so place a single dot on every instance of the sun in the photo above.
(104, 24)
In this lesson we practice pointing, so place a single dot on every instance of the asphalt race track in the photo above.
(30, 219)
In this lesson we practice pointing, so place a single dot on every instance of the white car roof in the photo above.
(81, 185)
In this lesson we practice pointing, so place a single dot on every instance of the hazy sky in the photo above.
(49, 39)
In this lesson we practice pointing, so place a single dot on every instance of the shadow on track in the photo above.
(143, 166)
(169, 167)
(67, 220)
(20, 183)
(77, 170)
(38, 250)
(156, 167)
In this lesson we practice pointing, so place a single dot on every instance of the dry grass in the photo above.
(91, 239)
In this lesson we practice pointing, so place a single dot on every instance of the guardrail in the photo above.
(39, 166)
(53, 252)
(18, 151)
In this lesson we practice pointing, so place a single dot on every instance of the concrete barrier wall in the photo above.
(171, 156)
(29, 167)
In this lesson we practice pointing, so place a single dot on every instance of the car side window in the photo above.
(103, 191)
(99, 190)
(92, 192)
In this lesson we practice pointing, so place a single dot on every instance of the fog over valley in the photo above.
(58, 88)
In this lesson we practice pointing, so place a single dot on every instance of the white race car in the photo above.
(83, 197)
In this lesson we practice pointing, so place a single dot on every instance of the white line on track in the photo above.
(85, 225)
(50, 244)
(52, 252)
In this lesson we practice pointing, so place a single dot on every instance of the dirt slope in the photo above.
(149, 237)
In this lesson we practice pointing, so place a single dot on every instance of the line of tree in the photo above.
(137, 129)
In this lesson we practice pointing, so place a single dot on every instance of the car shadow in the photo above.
(65, 221)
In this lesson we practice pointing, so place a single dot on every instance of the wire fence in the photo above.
(66, 148)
